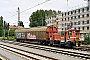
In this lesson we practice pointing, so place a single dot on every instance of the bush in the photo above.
(87, 40)
(11, 38)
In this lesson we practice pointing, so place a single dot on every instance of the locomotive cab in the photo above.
(70, 38)
(72, 34)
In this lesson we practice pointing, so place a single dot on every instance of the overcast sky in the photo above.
(9, 8)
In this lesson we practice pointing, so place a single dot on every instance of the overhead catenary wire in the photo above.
(31, 7)
(14, 5)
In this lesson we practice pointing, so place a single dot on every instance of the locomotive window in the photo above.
(69, 33)
(77, 33)
(62, 33)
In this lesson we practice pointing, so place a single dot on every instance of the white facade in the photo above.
(51, 20)
(80, 19)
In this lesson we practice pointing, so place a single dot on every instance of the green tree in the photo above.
(6, 25)
(1, 26)
(11, 32)
(37, 18)
(87, 39)
(21, 23)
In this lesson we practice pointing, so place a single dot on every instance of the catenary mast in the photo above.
(18, 16)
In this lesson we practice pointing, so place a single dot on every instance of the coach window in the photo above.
(62, 33)
(70, 33)
(23, 35)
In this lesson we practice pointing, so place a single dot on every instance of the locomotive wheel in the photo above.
(39, 42)
(51, 43)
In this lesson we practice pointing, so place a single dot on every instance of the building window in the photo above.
(62, 14)
(82, 16)
(68, 18)
(87, 21)
(71, 17)
(62, 19)
(54, 20)
(71, 12)
(82, 9)
(78, 16)
(62, 24)
(87, 15)
(65, 14)
(82, 28)
(88, 28)
(65, 19)
(78, 22)
(68, 13)
(74, 11)
(75, 28)
(82, 22)
(87, 8)
(53, 16)
(79, 28)
(74, 17)
(65, 24)
(57, 23)
(48, 22)
(78, 10)
(71, 23)
(74, 23)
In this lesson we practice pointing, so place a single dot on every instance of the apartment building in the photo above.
(52, 20)
(79, 19)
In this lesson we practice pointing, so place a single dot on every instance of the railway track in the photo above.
(31, 55)
(3, 57)
(85, 48)
(75, 53)
(82, 48)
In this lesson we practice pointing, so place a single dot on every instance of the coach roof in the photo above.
(31, 29)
